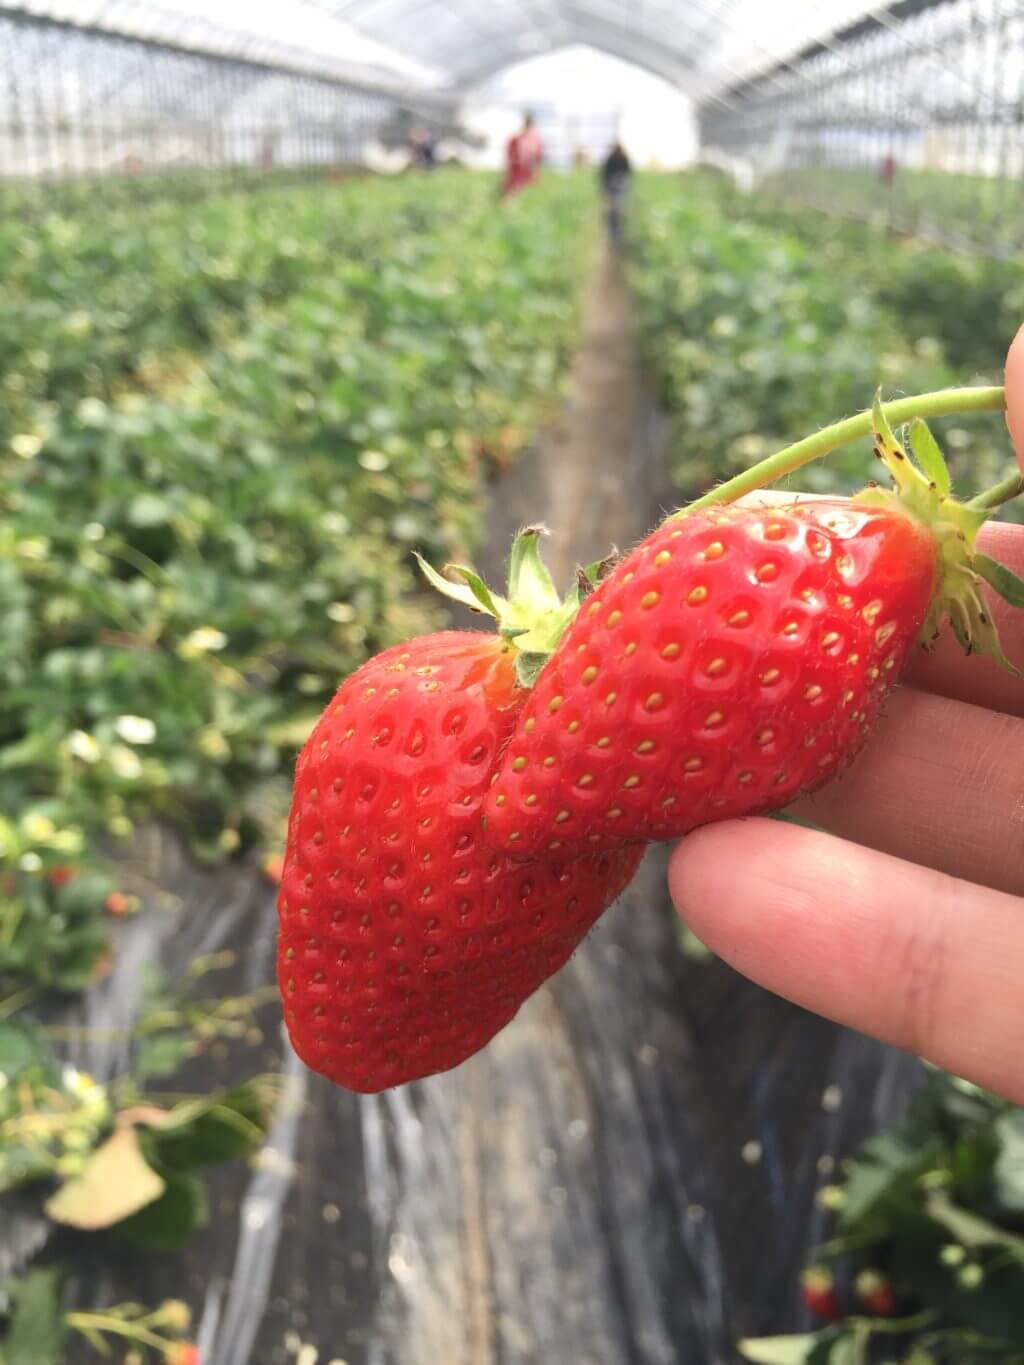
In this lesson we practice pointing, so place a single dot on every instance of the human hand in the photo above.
(906, 919)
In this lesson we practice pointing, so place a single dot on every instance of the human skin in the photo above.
(905, 917)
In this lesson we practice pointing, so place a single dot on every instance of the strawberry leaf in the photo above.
(37, 1328)
(169, 1221)
(487, 601)
(1005, 582)
(462, 593)
(117, 1181)
(529, 581)
(970, 1229)
(929, 456)
(1009, 1166)
(792, 1350)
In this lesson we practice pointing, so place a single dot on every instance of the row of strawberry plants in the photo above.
(187, 574)
(100, 302)
(756, 318)
(189, 570)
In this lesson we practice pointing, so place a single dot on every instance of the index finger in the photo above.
(912, 956)
(1015, 394)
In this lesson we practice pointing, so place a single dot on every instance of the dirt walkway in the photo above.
(594, 478)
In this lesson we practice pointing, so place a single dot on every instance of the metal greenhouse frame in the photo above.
(80, 101)
(914, 116)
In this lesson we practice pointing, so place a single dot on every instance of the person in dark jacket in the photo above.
(615, 174)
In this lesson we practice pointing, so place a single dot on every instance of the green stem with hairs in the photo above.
(1006, 491)
(942, 403)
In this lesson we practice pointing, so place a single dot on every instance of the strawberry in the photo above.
(182, 1353)
(818, 1288)
(734, 661)
(876, 1293)
(61, 875)
(405, 942)
(469, 804)
(273, 866)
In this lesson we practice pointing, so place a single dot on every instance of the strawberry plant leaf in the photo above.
(169, 1221)
(23, 1045)
(792, 1350)
(212, 1130)
(1005, 582)
(970, 1228)
(884, 1165)
(37, 1329)
(117, 1181)
(463, 593)
(929, 456)
(1009, 1165)
(486, 600)
(529, 580)
(162, 1056)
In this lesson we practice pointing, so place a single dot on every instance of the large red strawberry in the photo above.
(735, 660)
(405, 943)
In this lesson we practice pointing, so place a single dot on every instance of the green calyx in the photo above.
(922, 490)
(532, 617)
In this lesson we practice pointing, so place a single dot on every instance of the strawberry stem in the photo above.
(942, 403)
(992, 498)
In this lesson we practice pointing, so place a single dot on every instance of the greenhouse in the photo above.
(512, 682)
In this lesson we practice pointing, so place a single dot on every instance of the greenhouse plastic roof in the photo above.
(701, 46)
(451, 46)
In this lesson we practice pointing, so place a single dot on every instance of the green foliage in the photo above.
(36, 1329)
(224, 429)
(937, 1206)
(762, 320)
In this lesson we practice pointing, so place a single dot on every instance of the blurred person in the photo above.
(888, 169)
(524, 153)
(615, 176)
(901, 911)
(421, 146)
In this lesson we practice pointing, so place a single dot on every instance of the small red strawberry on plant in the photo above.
(818, 1289)
(182, 1353)
(876, 1293)
(118, 904)
(273, 867)
(61, 875)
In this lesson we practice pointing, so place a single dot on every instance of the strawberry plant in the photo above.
(206, 526)
(38, 1324)
(756, 317)
(928, 1251)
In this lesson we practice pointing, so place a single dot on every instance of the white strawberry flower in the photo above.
(204, 640)
(135, 729)
(84, 746)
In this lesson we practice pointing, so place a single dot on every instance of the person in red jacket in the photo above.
(524, 153)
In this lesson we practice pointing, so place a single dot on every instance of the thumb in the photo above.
(1015, 394)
